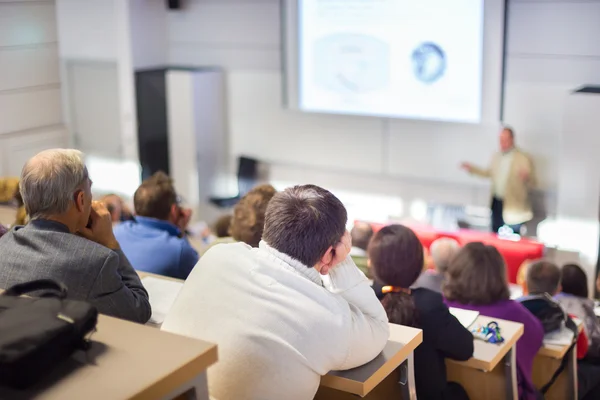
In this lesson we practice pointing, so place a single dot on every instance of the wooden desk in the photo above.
(484, 376)
(129, 361)
(547, 361)
(380, 378)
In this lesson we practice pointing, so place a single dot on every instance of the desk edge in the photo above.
(181, 376)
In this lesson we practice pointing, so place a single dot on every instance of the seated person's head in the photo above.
(476, 275)
(55, 185)
(248, 219)
(396, 257)
(307, 223)
(156, 198)
(543, 277)
(574, 280)
(442, 252)
(114, 205)
(223, 226)
(361, 234)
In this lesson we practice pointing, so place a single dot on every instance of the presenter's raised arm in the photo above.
(475, 170)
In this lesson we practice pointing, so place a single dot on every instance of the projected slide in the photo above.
(397, 58)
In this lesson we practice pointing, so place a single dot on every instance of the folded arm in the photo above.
(369, 330)
(118, 291)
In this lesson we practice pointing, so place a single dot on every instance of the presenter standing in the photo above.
(512, 175)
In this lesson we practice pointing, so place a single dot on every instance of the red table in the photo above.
(514, 253)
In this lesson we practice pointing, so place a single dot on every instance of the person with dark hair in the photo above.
(543, 279)
(155, 240)
(396, 256)
(287, 312)
(574, 299)
(476, 280)
(361, 234)
(512, 175)
(248, 219)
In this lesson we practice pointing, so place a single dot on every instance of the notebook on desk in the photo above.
(559, 337)
(465, 317)
(162, 295)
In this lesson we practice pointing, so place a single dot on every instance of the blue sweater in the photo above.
(152, 245)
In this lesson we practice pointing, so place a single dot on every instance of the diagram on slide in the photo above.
(429, 62)
(351, 63)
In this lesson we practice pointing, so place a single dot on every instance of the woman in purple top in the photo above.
(476, 280)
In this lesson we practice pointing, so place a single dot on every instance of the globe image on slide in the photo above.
(429, 62)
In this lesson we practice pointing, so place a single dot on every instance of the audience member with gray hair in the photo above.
(287, 312)
(442, 252)
(70, 239)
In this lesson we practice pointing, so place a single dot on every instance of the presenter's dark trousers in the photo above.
(497, 220)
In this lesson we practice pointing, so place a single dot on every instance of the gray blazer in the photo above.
(91, 272)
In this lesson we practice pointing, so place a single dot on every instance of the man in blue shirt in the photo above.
(155, 240)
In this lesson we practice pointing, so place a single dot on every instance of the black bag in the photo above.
(38, 333)
(552, 317)
(548, 311)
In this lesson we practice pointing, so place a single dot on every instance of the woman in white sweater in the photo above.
(287, 312)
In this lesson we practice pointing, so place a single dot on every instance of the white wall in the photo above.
(148, 31)
(95, 34)
(552, 47)
(30, 102)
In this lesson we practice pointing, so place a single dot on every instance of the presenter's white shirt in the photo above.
(503, 174)
(278, 324)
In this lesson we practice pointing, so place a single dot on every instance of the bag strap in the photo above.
(57, 289)
(563, 364)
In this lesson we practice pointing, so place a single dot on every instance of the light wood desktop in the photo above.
(390, 375)
(129, 361)
(491, 373)
(547, 361)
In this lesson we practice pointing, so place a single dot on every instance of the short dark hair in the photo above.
(510, 130)
(361, 233)
(476, 275)
(248, 220)
(304, 221)
(543, 277)
(574, 280)
(155, 197)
